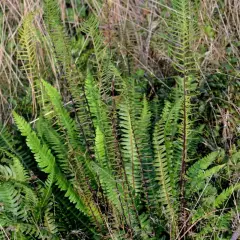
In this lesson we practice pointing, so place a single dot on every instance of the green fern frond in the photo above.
(21, 173)
(47, 161)
(100, 149)
(61, 49)
(102, 123)
(210, 172)
(107, 73)
(27, 53)
(9, 144)
(129, 149)
(182, 32)
(48, 134)
(202, 164)
(162, 174)
(69, 129)
(111, 186)
(222, 197)
(143, 141)
(62, 115)
(91, 28)
(49, 222)
(58, 36)
(11, 200)
(6, 140)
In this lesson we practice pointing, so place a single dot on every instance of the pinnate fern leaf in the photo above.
(46, 161)
(225, 194)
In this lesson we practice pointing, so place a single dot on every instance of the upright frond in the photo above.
(47, 162)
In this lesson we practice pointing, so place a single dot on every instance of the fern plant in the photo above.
(26, 213)
(125, 189)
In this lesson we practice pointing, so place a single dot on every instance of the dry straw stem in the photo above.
(136, 27)
(14, 81)
(11, 78)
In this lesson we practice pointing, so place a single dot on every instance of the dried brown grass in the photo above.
(133, 28)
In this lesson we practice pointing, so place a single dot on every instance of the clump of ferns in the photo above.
(134, 178)
(26, 204)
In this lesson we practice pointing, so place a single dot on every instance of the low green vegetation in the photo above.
(100, 143)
